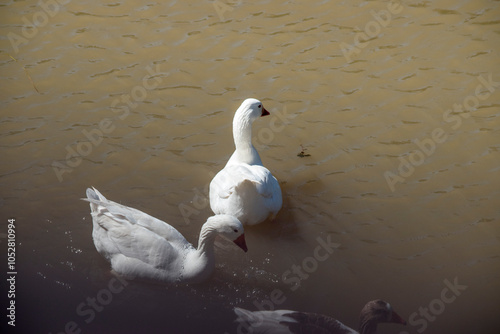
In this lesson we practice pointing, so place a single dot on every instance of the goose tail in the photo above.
(94, 197)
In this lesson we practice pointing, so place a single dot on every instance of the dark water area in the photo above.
(394, 105)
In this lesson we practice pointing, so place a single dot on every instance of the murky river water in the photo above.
(395, 107)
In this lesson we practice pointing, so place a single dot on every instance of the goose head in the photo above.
(230, 228)
(375, 312)
(251, 109)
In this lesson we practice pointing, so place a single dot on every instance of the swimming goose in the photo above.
(245, 188)
(293, 322)
(141, 246)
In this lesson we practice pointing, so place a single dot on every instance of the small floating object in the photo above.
(303, 153)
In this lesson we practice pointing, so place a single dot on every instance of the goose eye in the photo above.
(260, 105)
(235, 230)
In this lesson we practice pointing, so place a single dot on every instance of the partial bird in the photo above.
(293, 322)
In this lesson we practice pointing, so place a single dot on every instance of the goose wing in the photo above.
(290, 322)
(119, 213)
(225, 183)
(137, 242)
(316, 323)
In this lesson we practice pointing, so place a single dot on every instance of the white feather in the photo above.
(245, 188)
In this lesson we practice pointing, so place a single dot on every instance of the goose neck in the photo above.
(242, 132)
(206, 240)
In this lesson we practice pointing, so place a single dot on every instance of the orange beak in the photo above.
(264, 112)
(240, 241)
(397, 319)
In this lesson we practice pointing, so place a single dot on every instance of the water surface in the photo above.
(401, 133)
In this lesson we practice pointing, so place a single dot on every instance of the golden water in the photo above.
(394, 105)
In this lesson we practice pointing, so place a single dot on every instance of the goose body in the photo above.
(140, 246)
(293, 322)
(244, 188)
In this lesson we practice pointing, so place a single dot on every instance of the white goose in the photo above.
(141, 246)
(245, 188)
(293, 322)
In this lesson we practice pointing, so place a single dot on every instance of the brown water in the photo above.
(137, 98)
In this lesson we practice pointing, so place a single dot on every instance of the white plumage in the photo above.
(245, 188)
(141, 246)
